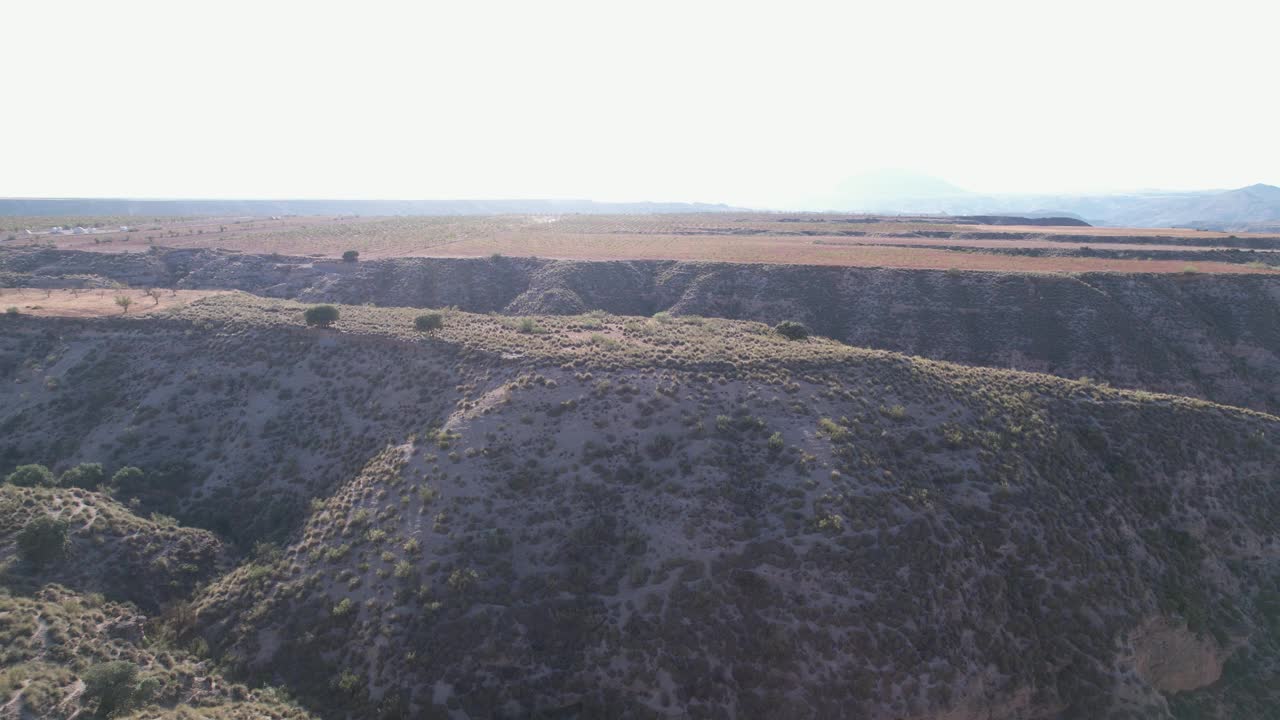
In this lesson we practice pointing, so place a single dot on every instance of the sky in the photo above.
(754, 104)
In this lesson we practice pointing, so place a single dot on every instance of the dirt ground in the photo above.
(729, 237)
(93, 303)
(804, 251)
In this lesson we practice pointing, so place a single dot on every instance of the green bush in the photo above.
(128, 480)
(30, 476)
(85, 475)
(321, 315)
(114, 685)
(429, 321)
(791, 330)
(776, 443)
(462, 579)
(351, 256)
(43, 541)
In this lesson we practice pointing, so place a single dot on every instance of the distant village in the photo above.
(77, 230)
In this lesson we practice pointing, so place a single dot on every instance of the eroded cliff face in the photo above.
(1210, 336)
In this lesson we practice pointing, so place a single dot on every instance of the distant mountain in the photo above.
(1252, 207)
(123, 206)
(1233, 209)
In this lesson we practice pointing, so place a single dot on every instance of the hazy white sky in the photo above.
(759, 104)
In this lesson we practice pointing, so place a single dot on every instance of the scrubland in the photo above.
(613, 515)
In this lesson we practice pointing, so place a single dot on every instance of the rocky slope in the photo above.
(1210, 336)
(607, 516)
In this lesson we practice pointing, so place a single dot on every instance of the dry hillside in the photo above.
(1196, 334)
(610, 516)
(62, 649)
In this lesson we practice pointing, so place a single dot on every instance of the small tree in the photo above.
(321, 315)
(791, 330)
(43, 541)
(428, 322)
(114, 685)
(30, 476)
(124, 301)
(350, 256)
(128, 480)
(85, 475)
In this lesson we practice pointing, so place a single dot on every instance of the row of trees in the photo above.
(45, 540)
(326, 315)
(87, 476)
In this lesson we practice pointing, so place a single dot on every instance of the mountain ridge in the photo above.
(1230, 210)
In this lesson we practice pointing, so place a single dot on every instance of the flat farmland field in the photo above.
(772, 238)
(311, 236)
(810, 251)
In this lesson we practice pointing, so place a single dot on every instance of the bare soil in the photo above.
(94, 303)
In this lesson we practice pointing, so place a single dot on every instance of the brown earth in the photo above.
(743, 238)
(94, 302)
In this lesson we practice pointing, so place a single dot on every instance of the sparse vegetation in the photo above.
(366, 514)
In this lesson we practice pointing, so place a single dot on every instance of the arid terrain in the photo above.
(582, 360)
(720, 466)
(95, 302)
(855, 241)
